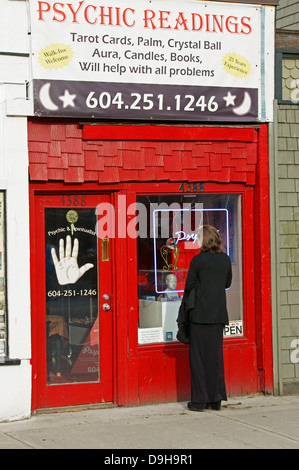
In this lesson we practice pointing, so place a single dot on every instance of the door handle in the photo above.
(106, 307)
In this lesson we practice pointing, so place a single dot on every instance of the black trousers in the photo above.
(206, 363)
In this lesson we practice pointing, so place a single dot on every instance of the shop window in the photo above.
(72, 325)
(287, 78)
(166, 243)
(3, 306)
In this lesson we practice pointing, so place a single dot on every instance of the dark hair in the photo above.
(211, 240)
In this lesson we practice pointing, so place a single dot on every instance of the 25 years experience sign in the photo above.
(146, 59)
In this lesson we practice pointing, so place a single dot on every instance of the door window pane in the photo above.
(3, 310)
(165, 246)
(72, 326)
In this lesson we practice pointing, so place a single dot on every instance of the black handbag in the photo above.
(183, 320)
(183, 333)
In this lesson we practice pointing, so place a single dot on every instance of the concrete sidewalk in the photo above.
(251, 422)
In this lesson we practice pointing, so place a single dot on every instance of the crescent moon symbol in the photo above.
(44, 96)
(245, 106)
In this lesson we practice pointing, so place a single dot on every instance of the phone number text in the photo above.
(71, 292)
(148, 101)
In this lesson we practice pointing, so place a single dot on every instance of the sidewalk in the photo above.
(251, 422)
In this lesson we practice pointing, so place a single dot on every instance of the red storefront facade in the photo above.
(76, 170)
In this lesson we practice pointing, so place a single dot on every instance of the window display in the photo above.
(160, 294)
(164, 255)
(71, 296)
(3, 313)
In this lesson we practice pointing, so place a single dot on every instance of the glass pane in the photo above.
(290, 75)
(72, 325)
(165, 247)
(3, 313)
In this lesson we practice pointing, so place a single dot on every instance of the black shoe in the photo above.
(196, 406)
(215, 405)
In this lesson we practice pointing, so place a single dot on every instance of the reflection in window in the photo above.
(290, 76)
(3, 313)
(164, 252)
(287, 77)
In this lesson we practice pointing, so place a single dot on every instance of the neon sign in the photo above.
(216, 217)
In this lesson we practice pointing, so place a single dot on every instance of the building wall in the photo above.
(15, 369)
(285, 180)
(288, 201)
(287, 15)
(15, 373)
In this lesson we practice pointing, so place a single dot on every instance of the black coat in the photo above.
(211, 273)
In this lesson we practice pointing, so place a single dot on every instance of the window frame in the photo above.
(248, 278)
(281, 54)
(4, 358)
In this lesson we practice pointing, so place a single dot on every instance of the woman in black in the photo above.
(210, 271)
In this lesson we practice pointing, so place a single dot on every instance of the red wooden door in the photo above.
(71, 300)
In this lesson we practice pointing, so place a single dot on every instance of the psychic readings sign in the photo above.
(148, 59)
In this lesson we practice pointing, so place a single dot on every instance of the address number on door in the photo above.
(191, 187)
(73, 200)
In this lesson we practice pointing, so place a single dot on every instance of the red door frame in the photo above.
(262, 257)
(63, 394)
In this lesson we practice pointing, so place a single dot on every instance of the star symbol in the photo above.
(68, 99)
(230, 99)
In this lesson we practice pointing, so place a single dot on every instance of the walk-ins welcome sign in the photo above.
(148, 59)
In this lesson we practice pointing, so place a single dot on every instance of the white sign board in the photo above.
(148, 59)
